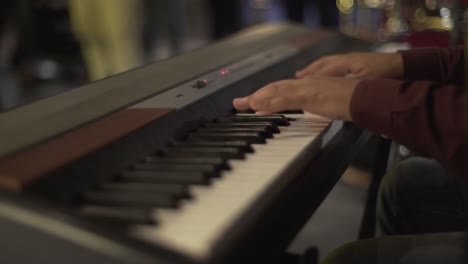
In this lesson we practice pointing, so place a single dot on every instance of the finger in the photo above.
(241, 103)
(245, 103)
(333, 70)
(276, 104)
(314, 67)
(276, 97)
(311, 69)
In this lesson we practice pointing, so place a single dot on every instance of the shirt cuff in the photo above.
(372, 104)
(421, 63)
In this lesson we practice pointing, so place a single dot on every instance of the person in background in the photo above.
(163, 18)
(423, 202)
(109, 32)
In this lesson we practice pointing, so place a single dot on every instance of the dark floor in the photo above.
(338, 219)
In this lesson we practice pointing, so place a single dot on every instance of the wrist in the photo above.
(396, 65)
(333, 99)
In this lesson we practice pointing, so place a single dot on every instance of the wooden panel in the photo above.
(34, 162)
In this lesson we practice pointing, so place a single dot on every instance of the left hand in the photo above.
(328, 97)
(357, 66)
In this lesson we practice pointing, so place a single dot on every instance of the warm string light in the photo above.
(389, 19)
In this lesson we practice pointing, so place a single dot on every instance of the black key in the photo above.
(226, 153)
(279, 120)
(248, 111)
(244, 146)
(175, 177)
(291, 112)
(171, 167)
(284, 112)
(176, 190)
(208, 169)
(273, 115)
(264, 131)
(251, 138)
(119, 214)
(131, 199)
(216, 161)
(268, 125)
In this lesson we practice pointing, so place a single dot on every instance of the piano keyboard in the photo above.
(187, 197)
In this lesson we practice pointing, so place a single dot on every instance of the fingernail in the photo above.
(261, 113)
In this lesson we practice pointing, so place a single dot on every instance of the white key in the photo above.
(201, 222)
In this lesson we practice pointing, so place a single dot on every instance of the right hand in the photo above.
(324, 96)
(356, 65)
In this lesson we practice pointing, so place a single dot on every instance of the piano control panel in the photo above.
(206, 84)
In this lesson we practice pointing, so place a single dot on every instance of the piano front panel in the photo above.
(51, 155)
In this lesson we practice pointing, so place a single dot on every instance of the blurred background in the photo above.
(51, 46)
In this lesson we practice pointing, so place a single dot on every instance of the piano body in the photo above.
(152, 165)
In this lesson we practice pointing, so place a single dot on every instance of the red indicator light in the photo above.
(223, 72)
(205, 81)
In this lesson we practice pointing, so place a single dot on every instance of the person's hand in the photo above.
(356, 65)
(328, 97)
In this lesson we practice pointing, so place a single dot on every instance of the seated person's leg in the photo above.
(419, 196)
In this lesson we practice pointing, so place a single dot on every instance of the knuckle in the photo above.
(259, 103)
(287, 102)
(274, 88)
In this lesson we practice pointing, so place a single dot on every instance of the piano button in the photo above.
(216, 161)
(205, 168)
(264, 131)
(278, 120)
(269, 125)
(226, 153)
(234, 136)
(176, 190)
(200, 84)
(131, 199)
(174, 177)
(120, 214)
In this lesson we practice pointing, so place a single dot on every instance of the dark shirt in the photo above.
(424, 111)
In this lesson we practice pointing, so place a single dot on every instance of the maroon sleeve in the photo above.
(436, 64)
(425, 116)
